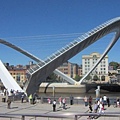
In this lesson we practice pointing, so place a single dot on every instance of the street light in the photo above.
(54, 91)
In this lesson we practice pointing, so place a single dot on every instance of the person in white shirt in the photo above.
(101, 108)
(64, 102)
(105, 99)
(54, 105)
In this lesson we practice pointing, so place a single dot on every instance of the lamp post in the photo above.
(53, 91)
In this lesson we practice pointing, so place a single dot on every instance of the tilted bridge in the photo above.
(43, 69)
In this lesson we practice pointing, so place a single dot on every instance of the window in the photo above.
(18, 78)
(94, 56)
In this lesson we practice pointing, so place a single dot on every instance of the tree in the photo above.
(51, 78)
(77, 78)
(114, 64)
(88, 77)
(95, 78)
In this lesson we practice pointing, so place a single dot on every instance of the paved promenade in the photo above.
(46, 109)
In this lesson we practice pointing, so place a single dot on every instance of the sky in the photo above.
(42, 27)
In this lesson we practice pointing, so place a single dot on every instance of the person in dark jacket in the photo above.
(54, 105)
(8, 103)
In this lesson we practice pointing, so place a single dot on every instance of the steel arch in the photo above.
(39, 74)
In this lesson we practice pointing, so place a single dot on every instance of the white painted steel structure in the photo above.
(8, 80)
(65, 77)
(43, 69)
(39, 74)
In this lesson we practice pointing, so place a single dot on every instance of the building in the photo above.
(70, 69)
(88, 62)
(17, 72)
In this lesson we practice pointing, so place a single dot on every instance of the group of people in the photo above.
(32, 98)
(62, 103)
(99, 105)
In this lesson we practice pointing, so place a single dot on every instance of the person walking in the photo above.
(60, 101)
(49, 100)
(54, 105)
(118, 102)
(108, 102)
(9, 103)
(22, 98)
(90, 100)
(86, 101)
(101, 108)
(105, 99)
(90, 111)
(64, 102)
(95, 107)
(30, 99)
(71, 100)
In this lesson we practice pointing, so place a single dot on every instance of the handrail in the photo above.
(74, 116)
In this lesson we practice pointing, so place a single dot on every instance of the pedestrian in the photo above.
(108, 102)
(54, 105)
(101, 99)
(22, 98)
(90, 108)
(105, 99)
(118, 102)
(98, 104)
(30, 98)
(101, 108)
(8, 103)
(90, 111)
(49, 100)
(90, 100)
(86, 101)
(71, 100)
(95, 107)
(34, 97)
(60, 101)
(64, 102)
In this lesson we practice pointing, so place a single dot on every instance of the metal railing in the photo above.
(68, 116)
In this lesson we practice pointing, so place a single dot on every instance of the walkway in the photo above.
(26, 108)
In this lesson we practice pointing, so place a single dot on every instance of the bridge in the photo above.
(103, 86)
(43, 69)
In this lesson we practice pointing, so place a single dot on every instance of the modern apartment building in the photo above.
(88, 62)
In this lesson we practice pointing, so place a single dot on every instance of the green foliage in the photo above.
(95, 78)
(77, 78)
(114, 64)
(51, 78)
(88, 77)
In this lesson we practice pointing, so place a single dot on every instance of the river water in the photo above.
(81, 95)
